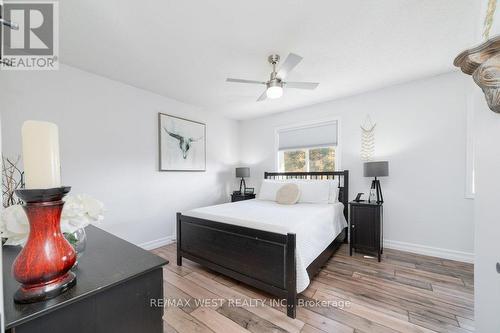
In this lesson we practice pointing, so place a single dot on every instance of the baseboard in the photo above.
(154, 244)
(390, 244)
(430, 251)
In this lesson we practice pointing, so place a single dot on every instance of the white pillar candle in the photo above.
(42, 166)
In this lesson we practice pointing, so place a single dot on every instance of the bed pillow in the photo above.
(333, 184)
(269, 188)
(334, 198)
(312, 191)
(334, 191)
(288, 194)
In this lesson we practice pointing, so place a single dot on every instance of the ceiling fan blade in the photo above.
(263, 96)
(244, 81)
(290, 62)
(302, 85)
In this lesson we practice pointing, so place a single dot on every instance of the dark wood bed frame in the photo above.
(262, 259)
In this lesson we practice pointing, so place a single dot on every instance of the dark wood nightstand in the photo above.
(366, 228)
(241, 197)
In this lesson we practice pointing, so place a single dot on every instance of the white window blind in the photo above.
(317, 135)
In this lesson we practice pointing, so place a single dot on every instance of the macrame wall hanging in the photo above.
(367, 139)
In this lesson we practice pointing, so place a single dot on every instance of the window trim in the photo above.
(470, 186)
(307, 124)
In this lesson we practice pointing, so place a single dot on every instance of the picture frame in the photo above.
(181, 144)
(249, 190)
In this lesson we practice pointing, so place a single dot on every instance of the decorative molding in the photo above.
(430, 251)
(483, 63)
(154, 244)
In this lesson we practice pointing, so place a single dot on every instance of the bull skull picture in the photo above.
(182, 144)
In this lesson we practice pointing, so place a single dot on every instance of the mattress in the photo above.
(315, 225)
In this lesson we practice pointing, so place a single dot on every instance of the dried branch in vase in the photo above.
(12, 179)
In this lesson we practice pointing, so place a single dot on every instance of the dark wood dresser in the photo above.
(366, 228)
(116, 281)
(241, 197)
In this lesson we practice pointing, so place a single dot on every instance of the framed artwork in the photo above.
(182, 144)
(249, 190)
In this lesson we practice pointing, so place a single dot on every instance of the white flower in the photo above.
(14, 226)
(93, 207)
(79, 211)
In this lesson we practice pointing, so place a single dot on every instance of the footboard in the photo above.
(258, 258)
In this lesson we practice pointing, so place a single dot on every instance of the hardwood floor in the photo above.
(404, 293)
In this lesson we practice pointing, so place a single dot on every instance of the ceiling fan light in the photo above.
(274, 92)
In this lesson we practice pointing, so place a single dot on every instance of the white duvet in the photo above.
(315, 225)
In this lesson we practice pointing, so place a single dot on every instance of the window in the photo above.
(322, 159)
(293, 160)
(308, 148)
(307, 159)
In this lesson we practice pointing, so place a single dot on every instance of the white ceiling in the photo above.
(185, 49)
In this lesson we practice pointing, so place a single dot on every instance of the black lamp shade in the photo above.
(242, 172)
(376, 169)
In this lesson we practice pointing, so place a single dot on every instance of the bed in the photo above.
(273, 247)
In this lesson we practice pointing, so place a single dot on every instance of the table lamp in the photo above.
(242, 173)
(376, 169)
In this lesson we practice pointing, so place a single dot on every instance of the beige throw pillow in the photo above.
(288, 194)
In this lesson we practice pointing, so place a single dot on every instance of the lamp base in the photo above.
(243, 185)
(31, 294)
(378, 189)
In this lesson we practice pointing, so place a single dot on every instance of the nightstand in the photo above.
(241, 197)
(366, 228)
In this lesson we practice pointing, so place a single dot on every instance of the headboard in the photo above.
(342, 176)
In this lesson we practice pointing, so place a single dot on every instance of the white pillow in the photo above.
(335, 194)
(269, 188)
(312, 191)
(334, 191)
(333, 184)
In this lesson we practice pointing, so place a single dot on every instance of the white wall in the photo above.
(421, 131)
(487, 217)
(486, 212)
(109, 147)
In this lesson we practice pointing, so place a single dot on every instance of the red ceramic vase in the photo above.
(43, 266)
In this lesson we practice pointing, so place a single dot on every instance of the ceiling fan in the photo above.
(276, 83)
